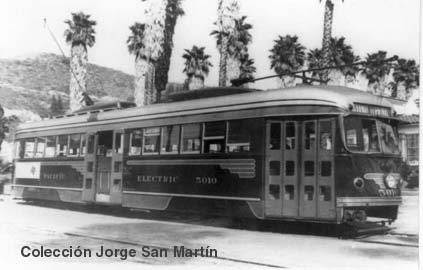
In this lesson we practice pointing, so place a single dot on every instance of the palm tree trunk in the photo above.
(336, 77)
(150, 93)
(141, 68)
(78, 76)
(327, 35)
(349, 81)
(373, 87)
(223, 62)
(195, 83)
(163, 63)
(233, 69)
(286, 81)
(401, 91)
(154, 39)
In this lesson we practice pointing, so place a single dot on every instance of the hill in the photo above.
(29, 84)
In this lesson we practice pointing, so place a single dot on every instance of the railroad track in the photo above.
(380, 242)
(138, 244)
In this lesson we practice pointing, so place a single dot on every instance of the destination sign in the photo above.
(371, 109)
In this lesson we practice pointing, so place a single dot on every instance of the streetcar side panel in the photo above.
(208, 167)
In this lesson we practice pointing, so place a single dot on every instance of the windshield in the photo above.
(370, 135)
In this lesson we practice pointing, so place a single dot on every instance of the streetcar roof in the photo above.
(330, 96)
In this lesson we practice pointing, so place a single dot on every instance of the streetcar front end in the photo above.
(370, 167)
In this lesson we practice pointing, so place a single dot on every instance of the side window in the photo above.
(170, 140)
(290, 135)
(326, 135)
(74, 145)
(40, 147)
(214, 137)
(90, 144)
(274, 168)
(50, 146)
(135, 142)
(289, 168)
(105, 143)
(325, 193)
(308, 193)
(310, 135)
(29, 148)
(83, 144)
(62, 146)
(289, 194)
(274, 191)
(275, 136)
(191, 138)
(19, 149)
(308, 168)
(239, 136)
(151, 141)
(119, 143)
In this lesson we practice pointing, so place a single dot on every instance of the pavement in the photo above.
(26, 224)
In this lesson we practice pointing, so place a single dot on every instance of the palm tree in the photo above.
(340, 54)
(406, 77)
(173, 11)
(238, 47)
(146, 42)
(315, 61)
(227, 12)
(247, 67)
(197, 66)
(376, 71)
(287, 55)
(327, 35)
(154, 40)
(136, 47)
(79, 35)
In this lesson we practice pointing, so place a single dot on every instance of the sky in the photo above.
(369, 26)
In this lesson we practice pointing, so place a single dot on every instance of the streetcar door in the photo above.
(88, 193)
(117, 167)
(317, 169)
(325, 175)
(104, 154)
(308, 178)
(290, 169)
(273, 170)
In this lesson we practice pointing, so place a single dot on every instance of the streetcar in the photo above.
(309, 154)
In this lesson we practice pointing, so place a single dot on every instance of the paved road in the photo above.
(35, 226)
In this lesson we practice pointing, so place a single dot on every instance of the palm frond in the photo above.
(80, 30)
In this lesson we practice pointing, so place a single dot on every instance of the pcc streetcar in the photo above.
(309, 153)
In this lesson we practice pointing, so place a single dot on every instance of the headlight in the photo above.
(390, 181)
(359, 183)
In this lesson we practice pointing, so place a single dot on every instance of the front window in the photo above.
(370, 136)
(389, 139)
